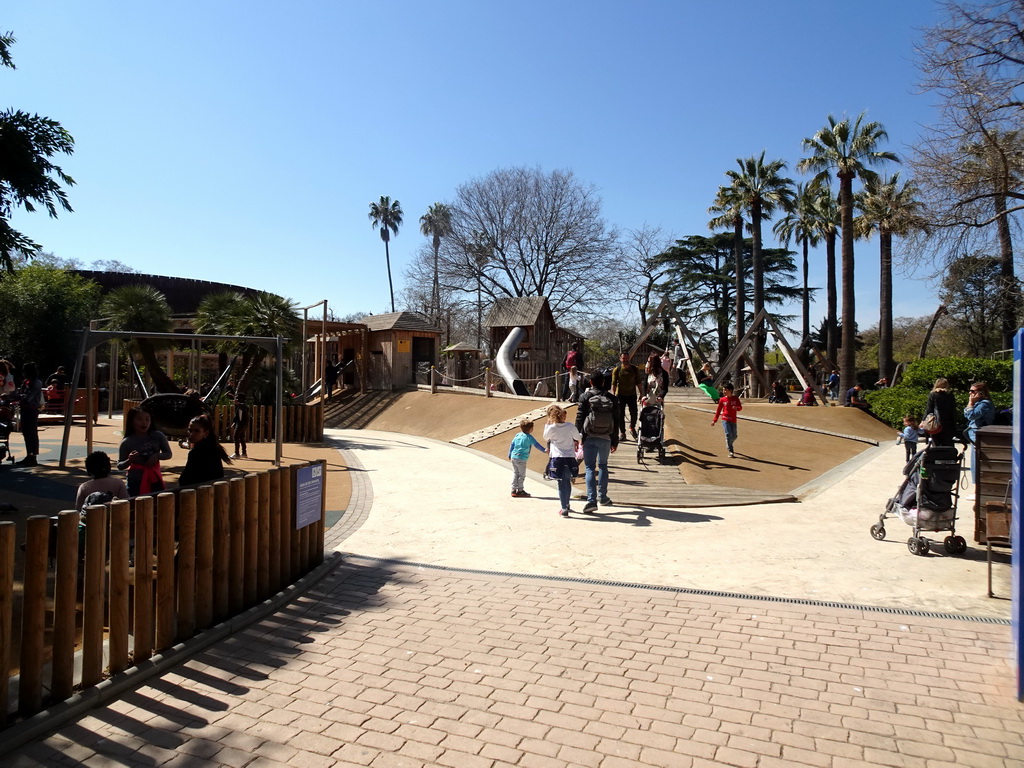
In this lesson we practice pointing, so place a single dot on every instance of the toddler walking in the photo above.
(728, 406)
(519, 453)
(909, 436)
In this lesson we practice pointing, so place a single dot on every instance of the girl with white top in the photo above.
(562, 437)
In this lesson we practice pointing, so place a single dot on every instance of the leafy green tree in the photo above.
(41, 310)
(262, 314)
(28, 177)
(141, 309)
(826, 209)
(727, 211)
(849, 150)
(699, 275)
(889, 209)
(436, 223)
(973, 299)
(761, 188)
(801, 224)
(388, 216)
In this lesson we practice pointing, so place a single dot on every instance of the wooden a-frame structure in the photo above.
(667, 312)
(767, 322)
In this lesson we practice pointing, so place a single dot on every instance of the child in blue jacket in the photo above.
(519, 453)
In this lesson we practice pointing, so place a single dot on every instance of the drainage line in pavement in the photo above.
(695, 592)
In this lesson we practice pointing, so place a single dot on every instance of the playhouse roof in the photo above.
(517, 310)
(399, 321)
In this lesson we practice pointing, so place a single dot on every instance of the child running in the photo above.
(519, 453)
(728, 406)
(562, 439)
(909, 436)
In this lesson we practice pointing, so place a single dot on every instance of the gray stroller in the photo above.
(927, 499)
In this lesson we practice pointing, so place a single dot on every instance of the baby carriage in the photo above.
(652, 431)
(927, 498)
(6, 427)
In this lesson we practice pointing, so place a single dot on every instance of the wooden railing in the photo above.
(302, 423)
(154, 570)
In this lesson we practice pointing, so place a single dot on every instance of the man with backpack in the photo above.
(598, 420)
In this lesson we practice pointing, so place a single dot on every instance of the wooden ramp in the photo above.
(661, 485)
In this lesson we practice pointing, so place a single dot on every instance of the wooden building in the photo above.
(545, 345)
(402, 347)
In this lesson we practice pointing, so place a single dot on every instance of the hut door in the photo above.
(422, 358)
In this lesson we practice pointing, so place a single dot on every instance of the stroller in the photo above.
(652, 431)
(927, 498)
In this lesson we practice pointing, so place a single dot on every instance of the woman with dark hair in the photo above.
(656, 383)
(141, 451)
(942, 403)
(30, 400)
(206, 456)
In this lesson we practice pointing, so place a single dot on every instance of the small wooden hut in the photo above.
(543, 348)
(402, 347)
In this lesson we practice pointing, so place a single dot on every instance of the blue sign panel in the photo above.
(1018, 509)
(309, 495)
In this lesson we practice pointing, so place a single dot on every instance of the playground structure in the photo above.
(530, 345)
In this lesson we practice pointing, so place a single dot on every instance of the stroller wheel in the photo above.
(917, 545)
(955, 545)
(878, 531)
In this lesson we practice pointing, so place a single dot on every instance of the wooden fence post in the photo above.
(487, 382)
(204, 557)
(143, 622)
(165, 503)
(221, 550)
(186, 564)
(33, 616)
(65, 608)
(7, 537)
(263, 544)
(252, 528)
(93, 599)
(287, 526)
(274, 554)
(120, 532)
(236, 521)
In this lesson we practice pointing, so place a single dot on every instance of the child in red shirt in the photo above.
(728, 406)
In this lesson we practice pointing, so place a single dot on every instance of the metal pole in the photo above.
(279, 415)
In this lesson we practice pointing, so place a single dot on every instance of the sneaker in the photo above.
(235, 456)
(524, 495)
(605, 501)
(245, 455)
(590, 508)
(28, 461)
(732, 455)
(563, 512)
(622, 437)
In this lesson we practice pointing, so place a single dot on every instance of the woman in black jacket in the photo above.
(942, 403)
(206, 456)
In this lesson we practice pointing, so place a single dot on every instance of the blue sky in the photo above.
(243, 141)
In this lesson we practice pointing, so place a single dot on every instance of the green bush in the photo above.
(960, 372)
(894, 403)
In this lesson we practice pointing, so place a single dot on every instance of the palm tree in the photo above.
(760, 188)
(388, 216)
(729, 210)
(141, 309)
(848, 150)
(435, 224)
(826, 209)
(890, 210)
(801, 224)
(263, 314)
(217, 314)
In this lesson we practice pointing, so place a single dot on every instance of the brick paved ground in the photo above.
(397, 665)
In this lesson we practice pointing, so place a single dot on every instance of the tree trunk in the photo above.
(435, 298)
(259, 355)
(1009, 291)
(848, 366)
(161, 381)
(832, 300)
(806, 298)
(741, 298)
(391, 288)
(885, 362)
(757, 262)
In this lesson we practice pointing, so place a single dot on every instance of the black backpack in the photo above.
(600, 422)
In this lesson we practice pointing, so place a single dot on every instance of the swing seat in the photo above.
(172, 412)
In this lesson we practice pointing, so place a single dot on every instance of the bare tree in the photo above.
(543, 235)
(970, 165)
(641, 251)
